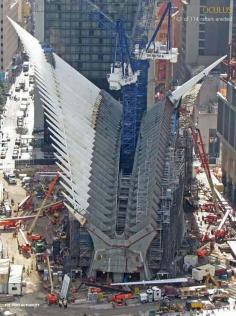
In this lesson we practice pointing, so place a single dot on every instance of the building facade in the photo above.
(205, 33)
(226, 124)
(18, 10)
(8, 37)
(76, 36)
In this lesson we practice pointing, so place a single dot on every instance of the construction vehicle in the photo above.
(52, 297)
(219, 295)
(122, 297)
(206, 249)
(208, 207)
(209, 278)
(25, 248)
(195, 304)
(220, 235)
(40, 244)
(212, 218)
(200, 150)
(219, 207)
(51, 188)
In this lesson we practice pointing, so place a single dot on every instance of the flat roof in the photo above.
(16, 273)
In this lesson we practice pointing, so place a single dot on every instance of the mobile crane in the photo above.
(51, 188)
(30, 237)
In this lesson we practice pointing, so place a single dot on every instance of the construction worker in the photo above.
(12, 259)
(60, 302)
(65, 303)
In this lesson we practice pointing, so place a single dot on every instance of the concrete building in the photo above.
(77, 37)
(226, 125)
(205, 116)
(205, 33)
(18, 10)
(8, 37)
(227, 132)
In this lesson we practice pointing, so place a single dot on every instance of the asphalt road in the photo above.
(142, 310)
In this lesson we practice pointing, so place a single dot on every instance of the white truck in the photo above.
(151, 295)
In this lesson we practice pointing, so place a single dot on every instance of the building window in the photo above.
(201, 52)
(202, 35)
(214, 145)
(202, 26)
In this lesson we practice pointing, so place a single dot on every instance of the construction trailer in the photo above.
(15, 280)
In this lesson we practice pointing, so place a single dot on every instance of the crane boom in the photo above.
(48, 194)
(198, 141)
(50, 274)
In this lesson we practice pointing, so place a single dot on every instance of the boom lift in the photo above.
(52, 297)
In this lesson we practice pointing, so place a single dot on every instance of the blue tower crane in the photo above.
(123, 76)
(129, 73)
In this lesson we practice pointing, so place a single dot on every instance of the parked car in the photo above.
(17, 88)
(3, 154)
(18, 141)
(31, 79)
(15, 154)
(11, 179)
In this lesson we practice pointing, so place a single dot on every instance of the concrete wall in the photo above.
(38, 12)
(206, 121)
(192, 32)
(226, 128)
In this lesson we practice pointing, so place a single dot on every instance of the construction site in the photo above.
(129, 217)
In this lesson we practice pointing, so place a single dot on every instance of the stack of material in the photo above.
(202, 271)
(4, 275)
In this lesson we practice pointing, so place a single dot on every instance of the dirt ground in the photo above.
(34, 291)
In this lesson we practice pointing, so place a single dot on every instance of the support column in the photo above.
(234, 194)
(228, 187)
(224, 180)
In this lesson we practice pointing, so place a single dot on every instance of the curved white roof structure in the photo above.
(136, 222)
(72, 105)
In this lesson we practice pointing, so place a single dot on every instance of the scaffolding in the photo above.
(143, 184)
(162, 250)
(123, 196)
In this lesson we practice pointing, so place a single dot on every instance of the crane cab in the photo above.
(117, 79)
